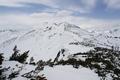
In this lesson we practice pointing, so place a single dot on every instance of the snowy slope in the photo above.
(51, 73)
(45, 41)
(69, 73)
(110, 36)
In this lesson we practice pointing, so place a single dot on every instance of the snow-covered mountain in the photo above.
(108, 36)
(62, 39)
(46, 40)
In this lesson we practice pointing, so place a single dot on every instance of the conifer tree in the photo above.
(23, 57)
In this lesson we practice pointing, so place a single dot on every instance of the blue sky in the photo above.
(98, 9)
(88, 9)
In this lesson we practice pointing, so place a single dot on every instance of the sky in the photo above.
(85, 13)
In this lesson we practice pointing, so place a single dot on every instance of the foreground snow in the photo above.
(69, 73)
(51, 73)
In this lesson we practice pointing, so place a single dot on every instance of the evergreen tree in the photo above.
(19, 57)
(15, 54)
(23, 57)
(1, 58)
(32, 61)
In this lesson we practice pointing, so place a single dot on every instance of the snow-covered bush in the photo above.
(16, 56)
(1, 60)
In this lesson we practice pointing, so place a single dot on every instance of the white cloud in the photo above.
(33, 19)
(82, 6)
(36, 19)
(64, 15)
(115, 4)
(19, 3)
(72, 5)
(10, 3)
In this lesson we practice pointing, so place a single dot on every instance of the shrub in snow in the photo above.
(49, 63)
(19, 57)
(56, 58)
(58, 55)
(13, 75)
(40, 77)
(1, 70)
(104, 61)
(40, 65)
(15, 54)
(32, 61)
(33, 75)
(22, 58)
(1, 58)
